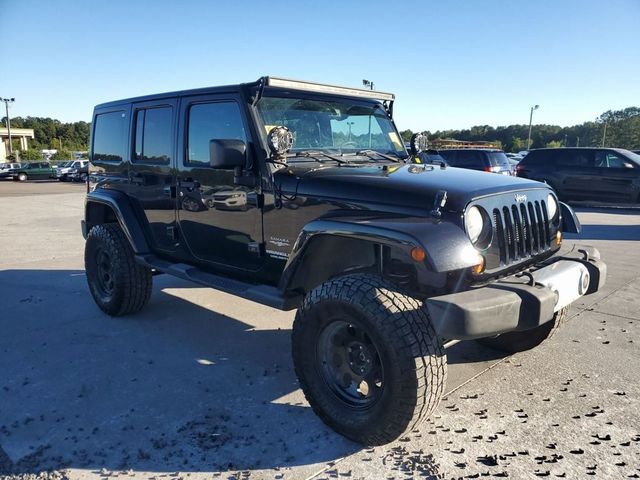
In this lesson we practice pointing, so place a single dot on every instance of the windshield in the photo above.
(632, 156)
(332, 126)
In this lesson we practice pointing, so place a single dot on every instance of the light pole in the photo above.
(535, 107)
(350, 123)
(604, 134)
(368, 83)
(7, 102)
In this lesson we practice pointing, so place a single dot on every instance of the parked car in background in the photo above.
(33, 171)
(65, 170)
(6, 168)
(485, 159)
(78, 171)
(603, 174)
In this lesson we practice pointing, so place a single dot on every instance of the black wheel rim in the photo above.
(104, 273)
(349, 363)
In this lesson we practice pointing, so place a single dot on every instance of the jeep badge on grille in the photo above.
(521, 197)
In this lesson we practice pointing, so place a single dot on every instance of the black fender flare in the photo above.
(444, 242)
(570, 221)
(124, 213)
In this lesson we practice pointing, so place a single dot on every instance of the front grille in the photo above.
(521, 230)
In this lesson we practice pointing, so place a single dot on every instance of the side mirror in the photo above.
(227, 153)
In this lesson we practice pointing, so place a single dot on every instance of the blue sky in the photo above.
(452, 64)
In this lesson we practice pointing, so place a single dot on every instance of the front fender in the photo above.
(570, 222)
(444, 242)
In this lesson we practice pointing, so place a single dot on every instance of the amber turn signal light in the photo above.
(418, 254)
(558, 237)
(479, 268)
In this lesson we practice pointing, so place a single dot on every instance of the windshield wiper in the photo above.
(370, 153)
(316, 154)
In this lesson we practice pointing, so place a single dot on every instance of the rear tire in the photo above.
(367, 358)
(22, 177)
(117, 283)
(513, 342)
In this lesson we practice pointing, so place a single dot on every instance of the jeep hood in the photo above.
(408, 186)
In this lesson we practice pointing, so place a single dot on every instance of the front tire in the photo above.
(117, 283)
(367, 358)
(514, 342)
(22, 177)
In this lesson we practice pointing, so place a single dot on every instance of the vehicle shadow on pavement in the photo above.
(177, 387)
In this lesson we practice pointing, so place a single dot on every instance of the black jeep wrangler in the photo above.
(302, 196)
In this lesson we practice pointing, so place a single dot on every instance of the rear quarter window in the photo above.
(109, 137)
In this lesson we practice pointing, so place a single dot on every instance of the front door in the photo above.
(221, 222)
(618, 177)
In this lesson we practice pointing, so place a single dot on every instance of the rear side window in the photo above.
(574, 158)
(153, 135)
(498, 159)
(212, 121)
(109, 137)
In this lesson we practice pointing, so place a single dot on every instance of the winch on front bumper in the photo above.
(522, 301)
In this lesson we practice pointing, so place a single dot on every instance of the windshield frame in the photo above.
(314, 96)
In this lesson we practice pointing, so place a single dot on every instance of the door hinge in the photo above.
(172, 233)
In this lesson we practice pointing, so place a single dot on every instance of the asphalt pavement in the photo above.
(200, 384)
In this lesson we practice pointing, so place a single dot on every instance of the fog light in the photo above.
(558, 237)
(418, 254)
(479, 268)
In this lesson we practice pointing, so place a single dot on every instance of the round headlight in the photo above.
(552, 207)
(474, 223)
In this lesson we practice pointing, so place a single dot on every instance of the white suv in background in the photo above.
(64, 169)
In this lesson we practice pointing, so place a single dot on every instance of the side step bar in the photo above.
(263, 294)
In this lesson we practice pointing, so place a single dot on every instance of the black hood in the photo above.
(397, 185)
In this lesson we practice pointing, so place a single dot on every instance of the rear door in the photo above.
(151, 178)
(578, 173)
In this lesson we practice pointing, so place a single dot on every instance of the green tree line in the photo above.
(51, 134)
(622, 131)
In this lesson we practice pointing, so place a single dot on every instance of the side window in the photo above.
(211, 121)
(154, 135)
(606, 159)
(575, 158)
(109, 137)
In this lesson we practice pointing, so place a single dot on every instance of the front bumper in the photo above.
(519, 302)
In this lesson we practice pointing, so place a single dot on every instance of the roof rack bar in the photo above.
(323, 88)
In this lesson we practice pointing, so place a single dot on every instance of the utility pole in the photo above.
(535, 107)
(577, 142)
(7, 102)
(565, 140)
(368, 83)
(604, 134)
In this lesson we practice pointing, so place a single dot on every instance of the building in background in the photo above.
(24, 134)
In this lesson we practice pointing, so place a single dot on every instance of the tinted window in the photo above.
(153, 135)
(212, 121)
(109, 137)
(575, 158)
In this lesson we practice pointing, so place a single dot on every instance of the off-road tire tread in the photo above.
(134, 283)
(404, 322)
